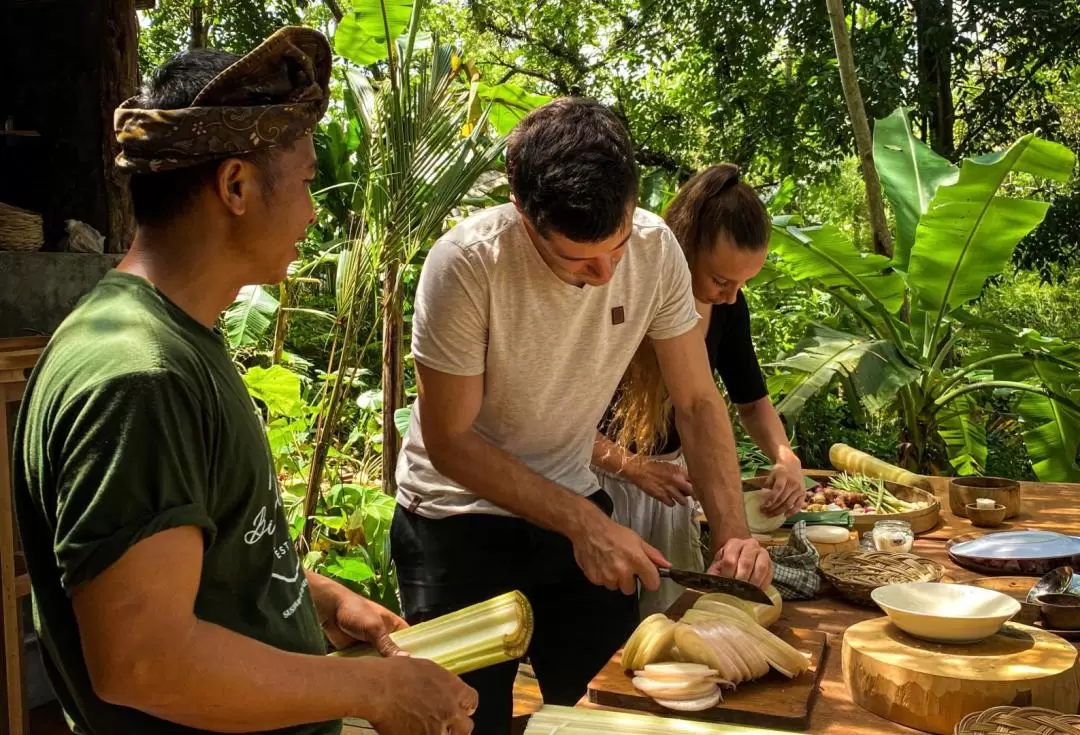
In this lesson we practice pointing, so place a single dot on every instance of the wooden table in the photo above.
(1054, 507)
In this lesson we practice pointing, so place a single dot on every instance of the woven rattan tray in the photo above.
(1019, 721)
(855, 574)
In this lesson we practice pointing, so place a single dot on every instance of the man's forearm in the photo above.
(763, 424)
(709, 447)
(212, 678)
(502, 479)
(324, 593)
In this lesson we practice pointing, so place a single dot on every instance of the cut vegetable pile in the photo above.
(683, 665)
(472, 638)
(859, 494)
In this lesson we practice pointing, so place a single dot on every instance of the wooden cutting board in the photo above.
(772, 701)
(932, 686)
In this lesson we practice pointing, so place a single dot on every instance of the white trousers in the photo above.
(675, 532)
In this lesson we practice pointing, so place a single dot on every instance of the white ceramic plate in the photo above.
(945, 613)
(1019, 545)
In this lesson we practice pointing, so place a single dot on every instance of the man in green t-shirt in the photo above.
(168, 595)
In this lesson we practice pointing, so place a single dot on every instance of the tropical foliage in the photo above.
(956, 227)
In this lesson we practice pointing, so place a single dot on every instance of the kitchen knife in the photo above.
(712, 583)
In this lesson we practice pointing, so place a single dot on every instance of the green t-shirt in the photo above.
(136, 421)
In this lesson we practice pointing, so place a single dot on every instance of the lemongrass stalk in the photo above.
(472, 638)
(555, 720)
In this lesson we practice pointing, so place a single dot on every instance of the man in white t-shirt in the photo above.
(526, 318)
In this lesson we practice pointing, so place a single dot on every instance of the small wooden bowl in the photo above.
(986, 517)
(1060, 611)
(965, 490)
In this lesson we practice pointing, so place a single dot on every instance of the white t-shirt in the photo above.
(551, 353)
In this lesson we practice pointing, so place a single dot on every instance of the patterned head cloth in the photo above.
(272, 96)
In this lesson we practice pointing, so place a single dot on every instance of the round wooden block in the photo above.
(931, 686)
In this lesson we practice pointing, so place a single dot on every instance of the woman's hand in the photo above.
(669, 483)
(786, 492)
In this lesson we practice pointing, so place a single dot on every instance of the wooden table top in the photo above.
(1053, 507)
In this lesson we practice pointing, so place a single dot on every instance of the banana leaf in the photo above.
(910, 174)
(876, 369)
(361, 36)
(969, 232)
(249, 317)
(824, 255)
(964, 434)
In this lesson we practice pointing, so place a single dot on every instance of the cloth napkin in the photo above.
(795, 566)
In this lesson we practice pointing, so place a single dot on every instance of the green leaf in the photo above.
(334, 523)
(1051, 427)
(250, 316)
(361, 35)
(828, 354)
(964, 433)
(969, 233)
(346, 567)
(826, 256)
(910, 174)
(278, 388)
(509, 104)
(401, 420)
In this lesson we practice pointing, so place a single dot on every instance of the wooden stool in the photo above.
(17, 357)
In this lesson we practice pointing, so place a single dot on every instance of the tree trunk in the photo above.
(281, 324)
(935, 34)
(198, 26)
(863, 141)
(119, 77)
(335, 10)
(393, 373)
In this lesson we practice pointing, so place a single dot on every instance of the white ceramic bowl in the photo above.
(945, 613)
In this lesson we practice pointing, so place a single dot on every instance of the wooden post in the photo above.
(119, 80)
(16, 357)
(864, 143)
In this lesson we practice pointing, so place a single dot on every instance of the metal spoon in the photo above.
(1055, 581)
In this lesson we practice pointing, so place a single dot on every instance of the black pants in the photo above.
(444, 565)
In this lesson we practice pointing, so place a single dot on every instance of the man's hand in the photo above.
(669, 483)
(354, 619)
(616, 557)
(745, 559)
(419, 697)
(786, 493)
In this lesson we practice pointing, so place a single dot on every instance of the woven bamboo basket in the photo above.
(20, 229)
(855, 574)
(1019, 721)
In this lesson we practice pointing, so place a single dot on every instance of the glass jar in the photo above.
(867, 542)
(893, 536)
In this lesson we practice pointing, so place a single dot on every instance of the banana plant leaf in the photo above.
(910, 174)
(249, 317)
(969, 232)
(828, 257)
(964, 434)
(361, 36)
(876, 369)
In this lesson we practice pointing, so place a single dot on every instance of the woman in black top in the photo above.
(723, 228)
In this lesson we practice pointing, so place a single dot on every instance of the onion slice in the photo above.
(694, 705)
(676, 672)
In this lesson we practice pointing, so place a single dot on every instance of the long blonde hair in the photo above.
(712, 204)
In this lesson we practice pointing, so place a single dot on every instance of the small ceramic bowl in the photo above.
(945, 613)
(986, 517)
(1060, 611)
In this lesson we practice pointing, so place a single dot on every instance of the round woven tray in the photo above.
(855, 574)
(1019, 721)
(20, 229)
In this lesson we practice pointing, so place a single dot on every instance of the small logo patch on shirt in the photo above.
(618, 315)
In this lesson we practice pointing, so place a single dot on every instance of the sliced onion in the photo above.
(694, 705)
(697, 649)
(657, 644)
(676, 672)
(633, 645)
(715, 635)
(690, 689)
(750, 649)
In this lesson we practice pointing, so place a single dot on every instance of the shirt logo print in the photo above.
(618, 315)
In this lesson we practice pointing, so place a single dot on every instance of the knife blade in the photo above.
(712, 583)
